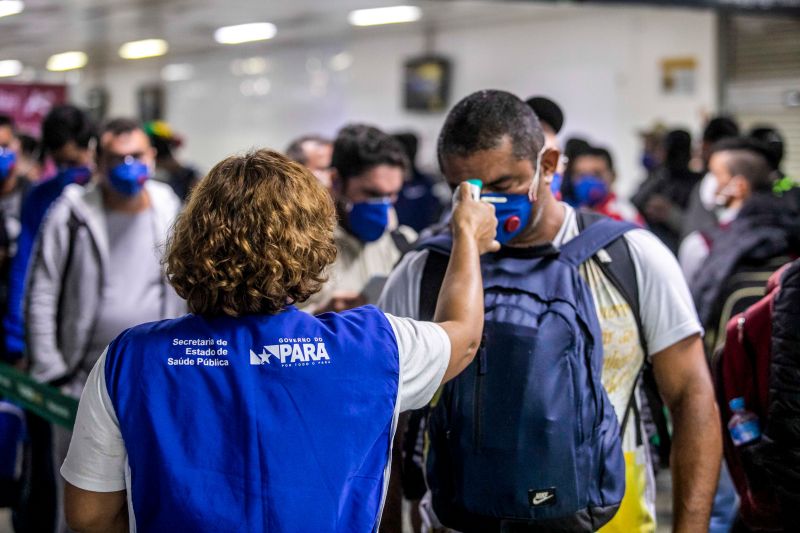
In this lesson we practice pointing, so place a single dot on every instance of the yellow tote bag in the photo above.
(633, 515)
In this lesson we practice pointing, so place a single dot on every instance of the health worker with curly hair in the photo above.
(247, 414)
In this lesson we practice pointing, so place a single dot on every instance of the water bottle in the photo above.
(743, 425)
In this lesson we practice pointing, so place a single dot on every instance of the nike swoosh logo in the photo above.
(541, 498)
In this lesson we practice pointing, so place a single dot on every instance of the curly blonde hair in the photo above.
(256, 235)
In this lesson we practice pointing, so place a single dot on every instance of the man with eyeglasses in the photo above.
(96, 268)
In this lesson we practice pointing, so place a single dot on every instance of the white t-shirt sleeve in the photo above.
(424, 350)
(400, 295)
(665, 303)
(692, 253)
(97, 456)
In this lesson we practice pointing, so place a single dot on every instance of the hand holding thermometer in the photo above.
(511, 223)
(475, 187)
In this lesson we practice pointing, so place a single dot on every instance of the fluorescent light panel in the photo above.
(245, 33)
(384, 15)
(67, 61)
(143, 49)
(10, 67)
(10, 7)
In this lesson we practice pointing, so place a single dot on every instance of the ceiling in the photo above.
(99, 27)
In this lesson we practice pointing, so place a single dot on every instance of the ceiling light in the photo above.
(143, 49)
(245, 33)
(384, 15)
(10, 7)
(67, 61)
(177, 72)
(9, 68)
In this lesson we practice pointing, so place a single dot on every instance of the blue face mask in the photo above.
(513, 211)
(8, 158)
(128, 177)
(80, 175)
(369, 220)
(649, 161)
(555, 185)
(590, 191)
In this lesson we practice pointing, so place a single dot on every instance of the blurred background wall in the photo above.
(604, 64)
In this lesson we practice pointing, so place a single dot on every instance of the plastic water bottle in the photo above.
(743, 425)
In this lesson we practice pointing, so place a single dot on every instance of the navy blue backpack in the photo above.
(526, 437)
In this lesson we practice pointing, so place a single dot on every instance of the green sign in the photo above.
(44, 400)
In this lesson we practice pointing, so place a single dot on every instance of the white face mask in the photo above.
(708, 191)
(722, 199)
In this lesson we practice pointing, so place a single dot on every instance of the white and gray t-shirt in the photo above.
(134, 287)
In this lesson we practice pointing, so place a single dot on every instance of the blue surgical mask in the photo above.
(128, 177)
(80, 175)
(368, 220)
(8, 158)
(513, 211)
(590, 191)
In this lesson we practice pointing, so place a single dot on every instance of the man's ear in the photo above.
(549, 164)
(740, 187)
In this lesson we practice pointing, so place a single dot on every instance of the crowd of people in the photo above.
(602, 352)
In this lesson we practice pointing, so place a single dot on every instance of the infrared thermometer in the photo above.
(475, 187)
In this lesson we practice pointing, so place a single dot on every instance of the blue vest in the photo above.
(278, 423)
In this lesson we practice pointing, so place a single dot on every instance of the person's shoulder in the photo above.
(356, 315)
(412, 263)
(156, 331)
(162, 194)
(361, 323)
(43, 186)
(62, 205)
(654, 261)
(407, 232)
(645, 245)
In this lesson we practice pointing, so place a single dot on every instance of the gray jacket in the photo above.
(66, 281)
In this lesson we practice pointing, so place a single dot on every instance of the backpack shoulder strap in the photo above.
(400, 241)
(431, 283)
(592, 239)
(619, 269)
(73, 224)
(438, 246)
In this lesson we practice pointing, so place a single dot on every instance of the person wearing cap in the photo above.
(180, 177)
(247, 414)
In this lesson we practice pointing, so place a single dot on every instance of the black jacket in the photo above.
(782, 432)
(766, 227)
